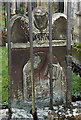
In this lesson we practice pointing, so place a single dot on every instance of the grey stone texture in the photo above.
(59, 26)
(77, 28)
(46, 114)
(42, 78)
(20, 34)
(20, 26)
(19, 29)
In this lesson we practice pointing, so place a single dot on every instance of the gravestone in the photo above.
(21, 87)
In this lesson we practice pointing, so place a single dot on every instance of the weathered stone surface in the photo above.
(40, 23)
(75, 6)
(38, 63)
(76, 56)
(74, 9)
(40, 18)
(45, 114)
(40, 26)
(55, 6)
(20, 56)
(59, 29)
(77, 28)
(59, 26)
(42, 86)
(41, 66)
(19, 29)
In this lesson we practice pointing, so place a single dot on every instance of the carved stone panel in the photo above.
(42, 79)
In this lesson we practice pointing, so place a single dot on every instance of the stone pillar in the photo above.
(74, 8)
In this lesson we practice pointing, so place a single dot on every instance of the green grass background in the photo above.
(4, 75)
(76, 85)
(0, 75)
(2, 17)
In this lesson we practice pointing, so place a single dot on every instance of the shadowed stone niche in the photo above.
(59, 26)
(19, 29)
(41, 78)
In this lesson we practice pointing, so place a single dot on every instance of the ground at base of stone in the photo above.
(58, 113)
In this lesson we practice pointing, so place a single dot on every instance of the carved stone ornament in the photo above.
(40, 18)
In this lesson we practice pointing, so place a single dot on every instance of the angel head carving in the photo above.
(40, 18)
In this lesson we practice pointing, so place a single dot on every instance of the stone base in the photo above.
(60, 112)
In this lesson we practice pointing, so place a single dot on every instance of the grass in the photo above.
(4, 75)
(76, 85)
(0, 75)
(2, 17)
(76, 81)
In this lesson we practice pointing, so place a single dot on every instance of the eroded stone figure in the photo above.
(40, 18)
(42, 77)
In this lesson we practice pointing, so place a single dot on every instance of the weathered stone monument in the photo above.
(21, 81)
(77, 41)
(77, 28)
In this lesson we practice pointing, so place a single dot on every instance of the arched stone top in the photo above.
(19, 29)
(59, 26)
(57, 16)
(40, 27)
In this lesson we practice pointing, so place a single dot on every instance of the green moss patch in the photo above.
(77, 45)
